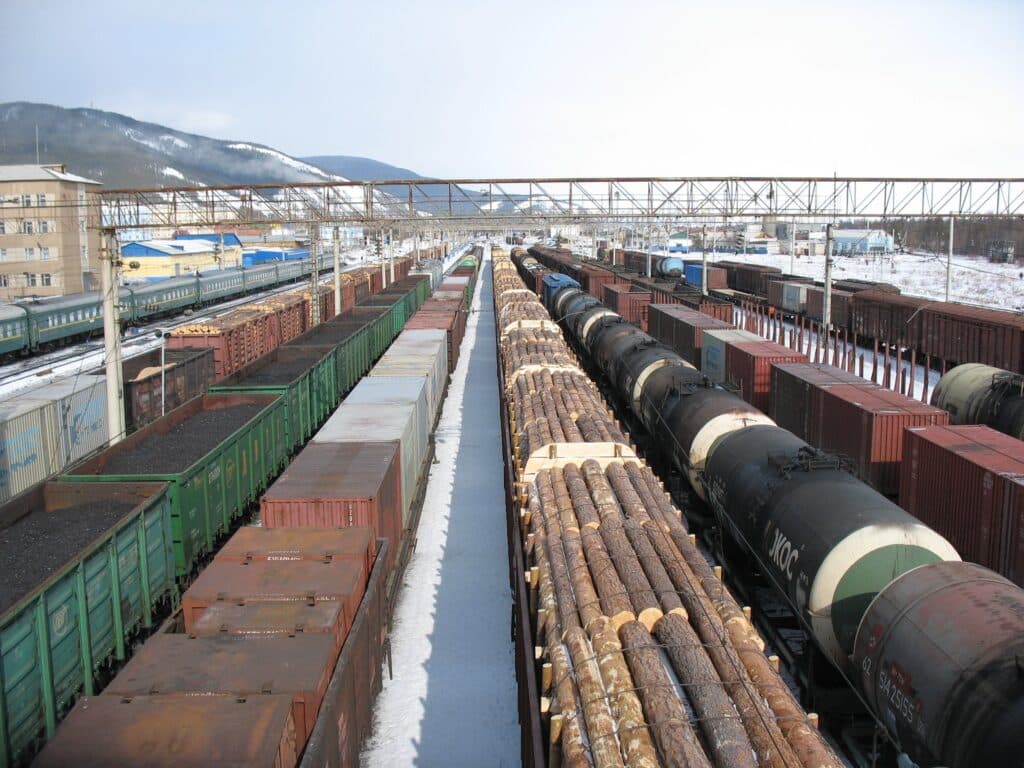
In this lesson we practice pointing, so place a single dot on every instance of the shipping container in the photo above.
(717, 277)
(418, 353)
(261, 581)
(797, 395)
(967, 483)
(341, 484)
(216, 452)
(748, 366)
(840, 312)
(29, 445)
(86, 566)
(680, 328)
(174, 732)
(630, 302)
(867, 425)
(346, 714)
(713, 350)
(180, 666)
(256, 621)
(385, 422)
(301, 543)
(187, 373)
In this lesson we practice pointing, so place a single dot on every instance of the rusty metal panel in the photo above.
(169, 664)
(275, 580)
(867, 425)
(967, 483)
(174, 732)
(258, 620)
(340, 485)
(749, 366)
(341, 543)
(796, 398)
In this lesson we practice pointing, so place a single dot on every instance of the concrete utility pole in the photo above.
(792, 245)
(826, 310)
(337, 270)
(109, 261)
(391, 253)
(647, 245)
(314, 272)
(704, 259)
(949, 259)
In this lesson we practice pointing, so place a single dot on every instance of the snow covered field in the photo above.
(975, 280)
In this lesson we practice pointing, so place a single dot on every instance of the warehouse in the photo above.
(156, 259)
(855, 242)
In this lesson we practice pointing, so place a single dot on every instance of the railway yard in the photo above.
(503, 504)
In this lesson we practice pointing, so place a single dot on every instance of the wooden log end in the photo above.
(622, 617)
(649, 617)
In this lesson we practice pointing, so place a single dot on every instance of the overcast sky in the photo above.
(454, 88)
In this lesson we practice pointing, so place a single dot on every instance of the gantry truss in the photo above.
(511, 203)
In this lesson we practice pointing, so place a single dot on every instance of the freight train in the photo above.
(861, 574)
(29, 325)
(94, 557)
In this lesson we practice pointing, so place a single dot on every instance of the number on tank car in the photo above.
(894, 685)
(783, 554)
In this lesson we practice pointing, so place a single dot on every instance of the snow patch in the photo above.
(168, 171)
(175, 141)
(291, 162)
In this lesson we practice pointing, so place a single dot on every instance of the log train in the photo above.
(930, 643)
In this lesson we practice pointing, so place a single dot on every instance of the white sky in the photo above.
(456, 88)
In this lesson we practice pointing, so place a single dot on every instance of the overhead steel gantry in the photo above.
(510, 203)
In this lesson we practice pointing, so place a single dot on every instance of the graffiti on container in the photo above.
(90, 419)
(17, 451)
(59, 624)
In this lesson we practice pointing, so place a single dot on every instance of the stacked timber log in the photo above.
(643, 656)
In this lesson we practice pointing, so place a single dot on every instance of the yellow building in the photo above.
(174, 258)
(48, 244)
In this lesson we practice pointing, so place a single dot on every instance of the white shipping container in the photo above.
(29, 445)
(419, 353)
(371, 423)
(81, 407)
(380, 390)
(712, 353)
(448, 295)
(794, 297)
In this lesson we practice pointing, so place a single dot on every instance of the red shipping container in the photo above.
(679, 328)
(748, 365)
(260, 620)
(867, 425)
(339, 485)
(627, 300)
(797, 395)
(175, 732)
(967, 483)
(264, 543)
(275, 581)
(181, 666)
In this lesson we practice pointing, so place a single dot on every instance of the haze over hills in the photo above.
(120, 151)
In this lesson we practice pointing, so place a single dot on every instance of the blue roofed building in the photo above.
(859, 242)
(227, 239)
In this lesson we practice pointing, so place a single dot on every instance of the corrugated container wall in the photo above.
(748, 365)
(967, 483)
(29, 445)
(713, 348)
(81, 412)
(420, 352)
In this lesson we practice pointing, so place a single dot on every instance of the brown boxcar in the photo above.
(748, 365)
(447, 315)
(890, 318)
(263, 543)
(967, 483)
(749, 278)
(175, 732)
(964, 334)
(867, 425)
(339, 485)
(840, 306)
(188, 372)
(269, 581)
(180, 666)
(797, 394)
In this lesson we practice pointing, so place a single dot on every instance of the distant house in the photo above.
(858, 242)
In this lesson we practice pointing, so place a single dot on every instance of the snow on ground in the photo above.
(168, 171)
(289, 161)
(453, 698)
(975, 280)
